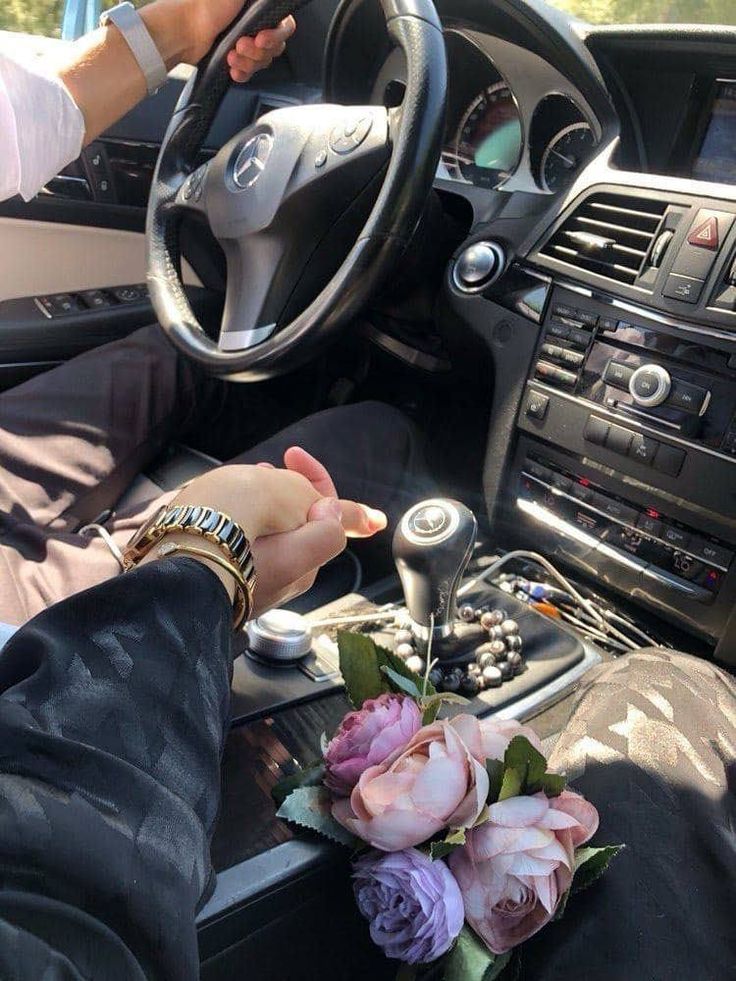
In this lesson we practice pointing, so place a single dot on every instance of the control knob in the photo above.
(279, 636)
(650, 385)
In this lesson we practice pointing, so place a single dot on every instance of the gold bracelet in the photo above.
(243, 604)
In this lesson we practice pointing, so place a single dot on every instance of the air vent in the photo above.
(608, 234)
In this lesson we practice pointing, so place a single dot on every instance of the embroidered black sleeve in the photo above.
(113, 706)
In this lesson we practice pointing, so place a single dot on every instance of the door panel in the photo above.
(38, 258)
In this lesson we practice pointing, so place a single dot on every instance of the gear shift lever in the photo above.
(432, 546)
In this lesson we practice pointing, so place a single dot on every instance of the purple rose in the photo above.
(413, 904)
(368, 737)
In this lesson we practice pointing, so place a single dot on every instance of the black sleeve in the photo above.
(113, 708)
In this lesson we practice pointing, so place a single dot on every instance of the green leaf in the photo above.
(552, 784)
(312, 776)
(513, 781)
(359, 667)
(469, 959)
(500, 963)
(400, 683)
(451, 697)
(591, 863)
(310, 808)
(407, 972)
(494, 769)
(390, 660)
(455, 839)
(522, 756)
(562, 906)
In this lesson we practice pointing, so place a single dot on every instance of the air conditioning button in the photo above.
(650, 385)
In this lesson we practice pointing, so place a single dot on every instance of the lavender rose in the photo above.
(413, 904)
(515, 868)
(368, 737)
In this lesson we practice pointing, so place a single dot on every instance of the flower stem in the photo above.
(428, 662)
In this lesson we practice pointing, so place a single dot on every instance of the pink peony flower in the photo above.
(487, 739)
(368, 737)
(433, 783)
(515, 868)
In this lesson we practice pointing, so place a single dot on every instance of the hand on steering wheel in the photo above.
(290, 196)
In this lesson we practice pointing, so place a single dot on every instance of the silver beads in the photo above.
(416, 664)
(405, 651)
(467, 613)
(509, 627)
(403, 636)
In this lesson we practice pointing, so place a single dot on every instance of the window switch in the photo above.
(95, 299)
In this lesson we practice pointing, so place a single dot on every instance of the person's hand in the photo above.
(207, 18)
(293, 527)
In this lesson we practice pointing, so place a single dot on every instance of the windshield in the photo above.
(650, 11)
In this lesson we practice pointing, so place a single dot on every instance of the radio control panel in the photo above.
(626, 457)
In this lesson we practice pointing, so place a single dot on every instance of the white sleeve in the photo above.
(41, 128)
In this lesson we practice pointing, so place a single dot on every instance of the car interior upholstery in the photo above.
(546, 287)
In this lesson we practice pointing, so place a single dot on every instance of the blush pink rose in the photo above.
(368, 737)
(432, 784)
(487, 739)
(515, 868)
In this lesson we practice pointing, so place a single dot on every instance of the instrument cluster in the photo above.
(492, 135)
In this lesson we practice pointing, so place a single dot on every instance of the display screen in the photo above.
(716, 160)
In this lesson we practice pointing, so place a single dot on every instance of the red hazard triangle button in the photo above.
(704, 234)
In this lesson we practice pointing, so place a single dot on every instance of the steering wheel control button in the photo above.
(348, 136)
(279, 636)
(684, 288)
(430, 522)
(650, 385)
(537, 405)
(478, 266)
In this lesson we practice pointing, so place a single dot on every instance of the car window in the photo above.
(650, 11)
(39, 16)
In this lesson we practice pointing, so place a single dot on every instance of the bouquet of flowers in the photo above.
(465, 845)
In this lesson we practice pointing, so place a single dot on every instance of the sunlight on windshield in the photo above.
(650, 11)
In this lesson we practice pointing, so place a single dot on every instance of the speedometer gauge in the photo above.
(489, 139)
(565, 155)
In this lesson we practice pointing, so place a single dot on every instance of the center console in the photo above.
(625, 463)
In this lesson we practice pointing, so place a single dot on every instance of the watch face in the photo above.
(139, 536)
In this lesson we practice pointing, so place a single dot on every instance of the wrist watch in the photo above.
(214, 526)
(130, 24)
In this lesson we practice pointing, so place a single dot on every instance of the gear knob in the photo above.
(432, 546)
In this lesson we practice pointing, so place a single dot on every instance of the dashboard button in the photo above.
(580, 338)
(616, 509)
(538, 470)
(619, 439)
(551, 351)
(572, 359)
(669, 459)
(683, 288)
(691, 398)
(649, 525)
(643, 449)
(536, 405)
(676, 536)
(581, 493)
(596, 430)
(561, 482)
(551, 373)
(710, 552)
(650, 385)
(558, 330)
(618, 374)
(478, 266)
(589, 319)
(608, 324)
(709, 229)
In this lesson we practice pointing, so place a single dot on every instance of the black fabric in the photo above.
(113, 706)
(652, 742)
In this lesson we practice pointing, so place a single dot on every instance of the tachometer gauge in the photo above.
(488, 142)
(565, 155)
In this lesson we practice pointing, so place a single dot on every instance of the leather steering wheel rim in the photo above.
(414, 26)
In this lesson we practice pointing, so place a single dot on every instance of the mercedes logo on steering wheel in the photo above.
(251, 161)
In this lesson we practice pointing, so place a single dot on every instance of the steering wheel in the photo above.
(288, 189)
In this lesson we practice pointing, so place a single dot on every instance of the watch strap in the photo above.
(131, 25)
